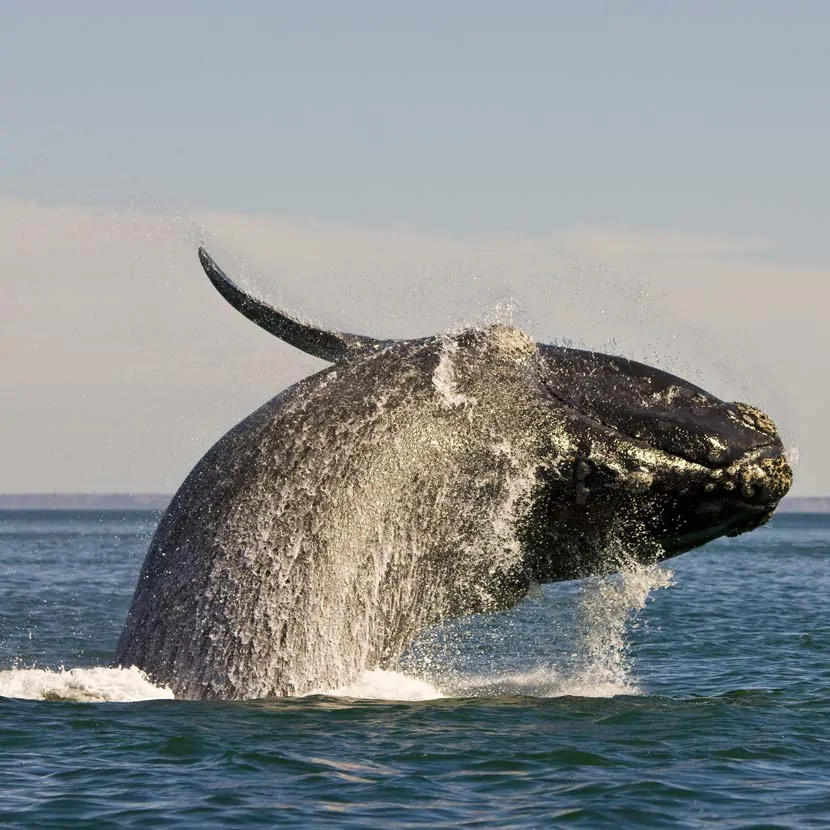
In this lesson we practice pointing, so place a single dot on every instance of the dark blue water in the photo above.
(729, 726)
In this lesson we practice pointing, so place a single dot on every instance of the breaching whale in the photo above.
(415, 480)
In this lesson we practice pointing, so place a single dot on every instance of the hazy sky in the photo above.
(651, 178)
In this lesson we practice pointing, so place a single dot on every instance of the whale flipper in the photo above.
(332, 346)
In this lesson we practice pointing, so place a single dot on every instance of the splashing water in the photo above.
(606, 606)
(544, 681)
(118, 685)
(591, 656)
(443, 379)
(377, 684)
(91, 685)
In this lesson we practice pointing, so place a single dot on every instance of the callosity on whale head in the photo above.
(653, 457)
(415, 480)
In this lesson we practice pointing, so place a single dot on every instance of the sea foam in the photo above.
(87, 685)
(377, 684)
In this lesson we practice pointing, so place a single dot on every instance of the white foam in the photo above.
(544, 681)
(93, 685)
(377, 684)
(595, 663)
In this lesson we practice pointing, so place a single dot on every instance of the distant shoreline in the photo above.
(159, 501)
(84, 501)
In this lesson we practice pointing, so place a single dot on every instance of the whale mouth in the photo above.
(756, 481)
(745, 505)
(734, 499)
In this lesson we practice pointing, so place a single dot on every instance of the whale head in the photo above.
(656, 458)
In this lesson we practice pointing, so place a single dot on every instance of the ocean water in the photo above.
(693, 695)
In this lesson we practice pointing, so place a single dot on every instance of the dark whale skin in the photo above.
(418, 480)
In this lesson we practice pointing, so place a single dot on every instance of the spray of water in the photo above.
(607, 606)
(87, 685)
(581, 649)
(600, 666)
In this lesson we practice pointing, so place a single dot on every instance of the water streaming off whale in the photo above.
(414, 481)
(595, 663)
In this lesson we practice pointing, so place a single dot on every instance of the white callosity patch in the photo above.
(91, 685)
(717, 444)
(510, 342)
(667, 396)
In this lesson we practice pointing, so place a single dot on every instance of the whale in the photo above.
(413, 481)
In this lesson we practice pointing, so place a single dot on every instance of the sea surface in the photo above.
(696, 694)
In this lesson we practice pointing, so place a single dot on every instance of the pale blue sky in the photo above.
(651, 177)
(451, 117)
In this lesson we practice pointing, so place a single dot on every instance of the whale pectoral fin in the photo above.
(327, 345)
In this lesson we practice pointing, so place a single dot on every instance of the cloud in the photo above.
(119, 364)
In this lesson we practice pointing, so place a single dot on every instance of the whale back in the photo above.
(325, 530)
